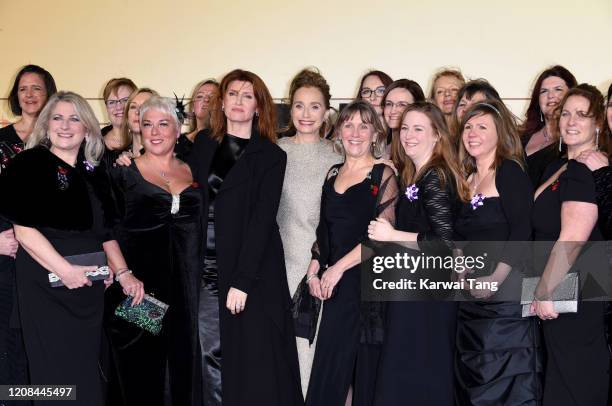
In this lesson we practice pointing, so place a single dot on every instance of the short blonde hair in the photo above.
(94, 145)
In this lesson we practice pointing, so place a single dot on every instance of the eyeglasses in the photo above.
(113, 104)
(400, 105)
(366, 93)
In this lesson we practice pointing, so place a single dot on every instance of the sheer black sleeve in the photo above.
(387, 197)
(603, 191)
(516, 197)
(438, 204)
(320, 248)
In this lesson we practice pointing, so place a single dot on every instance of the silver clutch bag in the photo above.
(565, 296)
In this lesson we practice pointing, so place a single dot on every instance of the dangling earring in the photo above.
(222, 108)
(597, 139)
(541, 116)
(256, 113)
(560, 143)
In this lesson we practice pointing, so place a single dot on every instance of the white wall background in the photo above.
(171, 45)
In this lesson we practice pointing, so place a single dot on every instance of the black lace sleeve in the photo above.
(603, 190)
(387, 196)
(320, 248)
(438, 204)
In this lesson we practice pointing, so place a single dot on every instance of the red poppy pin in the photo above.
(374, 190)
(555, 185)
(62, 178)
(195, 185)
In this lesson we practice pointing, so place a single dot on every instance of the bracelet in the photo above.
(121, 272)
(311, 277)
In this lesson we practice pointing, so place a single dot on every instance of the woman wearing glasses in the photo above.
(115, 94)
(372, 88)
(398, 96)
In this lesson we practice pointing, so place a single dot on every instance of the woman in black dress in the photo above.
(115, 95)
(497, 358)
(32, 88)
(161, 236)
(241, 171)
(201, 97)
(354, 193)
(538, 132)
(418, 353)
(565, 211)
(62, 326)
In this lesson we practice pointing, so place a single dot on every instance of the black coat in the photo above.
(260, 363)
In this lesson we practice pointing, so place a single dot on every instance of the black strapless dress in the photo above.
(498, 358)
(159, 239)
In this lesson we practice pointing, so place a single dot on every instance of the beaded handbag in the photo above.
(147, 315)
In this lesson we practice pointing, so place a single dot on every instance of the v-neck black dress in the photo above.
(346, 354)
(578, 360)
(160, 237)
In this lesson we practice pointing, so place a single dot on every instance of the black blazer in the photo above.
(248, 244)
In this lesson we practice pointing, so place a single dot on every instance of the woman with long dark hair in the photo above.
(538, 133)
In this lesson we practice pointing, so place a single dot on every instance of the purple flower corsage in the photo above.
(412, 192)
(477, 201)
(88, 166)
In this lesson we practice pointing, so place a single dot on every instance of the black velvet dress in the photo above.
(498, 358)
(577, 355)
(160, 238)
(419, 347)
(227, 154)
(347, 351)
(62, 328)
(13, 363)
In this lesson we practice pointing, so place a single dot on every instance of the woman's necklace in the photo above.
(477, 185)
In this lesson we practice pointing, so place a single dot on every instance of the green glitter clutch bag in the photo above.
(147, 315)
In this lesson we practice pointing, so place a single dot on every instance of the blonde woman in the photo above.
(60, 206)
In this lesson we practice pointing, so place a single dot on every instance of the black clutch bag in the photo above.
(305, 311)
(93, 258)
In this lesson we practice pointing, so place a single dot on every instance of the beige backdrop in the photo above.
(171, 45)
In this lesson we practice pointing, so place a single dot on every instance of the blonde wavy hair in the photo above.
(94, 145)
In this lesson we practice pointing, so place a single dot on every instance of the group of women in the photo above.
(226, 223)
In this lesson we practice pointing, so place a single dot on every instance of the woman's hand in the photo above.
(8, 243)
(329, 280)
(380, 230)
(387, 162)
(484, 293)
(236, 300)
(593, 159)
(74, 277)
(545, 310)
(314, 286)
(132, 286)
(125, 159)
